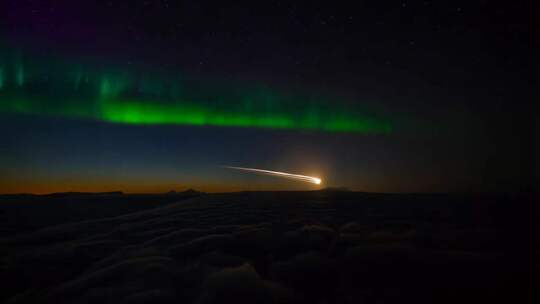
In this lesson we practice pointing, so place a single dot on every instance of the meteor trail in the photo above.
(305, 178)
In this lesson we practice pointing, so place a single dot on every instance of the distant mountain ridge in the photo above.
(89, 194)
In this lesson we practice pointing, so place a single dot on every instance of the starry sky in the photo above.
(152, 96)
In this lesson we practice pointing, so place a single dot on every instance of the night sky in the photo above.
(152, 96)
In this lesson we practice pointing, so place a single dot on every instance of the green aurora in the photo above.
(40, 87)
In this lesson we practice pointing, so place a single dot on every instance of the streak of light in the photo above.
(305, 178)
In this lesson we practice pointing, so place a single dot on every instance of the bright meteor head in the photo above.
(305, 178)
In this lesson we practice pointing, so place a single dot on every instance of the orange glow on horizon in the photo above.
(54, 186)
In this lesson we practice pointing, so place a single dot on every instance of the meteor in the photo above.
(305, 178)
